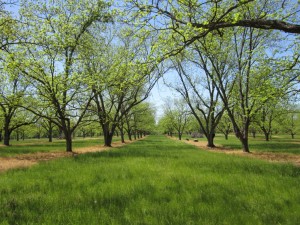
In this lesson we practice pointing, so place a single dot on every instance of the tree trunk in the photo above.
(210, 140)
(108, 134)
(108, 139)
(50, 132)
(18, 135)
(179, 136)
(293, 135)
(134, 135)
(267, 136)
(226, 136)
(122, 136)
(245, 144)
(68, 136)
(243, 135)
(23, 135)
(129, 135)
(6, 135)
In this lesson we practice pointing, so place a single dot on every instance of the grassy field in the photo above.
(278, 144)
(42, 145)
(153, 181)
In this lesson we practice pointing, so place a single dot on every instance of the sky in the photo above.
(160, 94)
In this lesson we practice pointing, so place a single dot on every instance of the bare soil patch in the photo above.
(26, 160)
(269, 156)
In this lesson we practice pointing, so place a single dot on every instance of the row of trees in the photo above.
(71, 63)
(178, 120)
(68, 65)
(225, 65)
(245, 81)
(139, 122)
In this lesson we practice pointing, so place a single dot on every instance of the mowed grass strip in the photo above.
(153, 181)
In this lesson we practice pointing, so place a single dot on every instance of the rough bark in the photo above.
(210, 140)
(7, 133)
(50, 134)
(6, 137)
(68, 137)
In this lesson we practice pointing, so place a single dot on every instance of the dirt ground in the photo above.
(26, 160)
(269, 156)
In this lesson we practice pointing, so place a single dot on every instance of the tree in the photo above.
(181, 23)
(224, 126)
(177, 114)
(166, 126)
(268, 114)
(121, 79)
(12, 92)
(144, 118)
(53, 66)
(140, 118)
(48, 126)
(7, 27)
(200, 91)
(290, 121)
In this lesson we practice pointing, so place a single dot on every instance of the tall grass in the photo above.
(152, 181)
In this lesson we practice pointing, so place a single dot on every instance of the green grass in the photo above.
(278, 144)
(42, 145)
(152, 181)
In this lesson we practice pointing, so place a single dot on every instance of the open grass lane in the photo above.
(152, 181)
